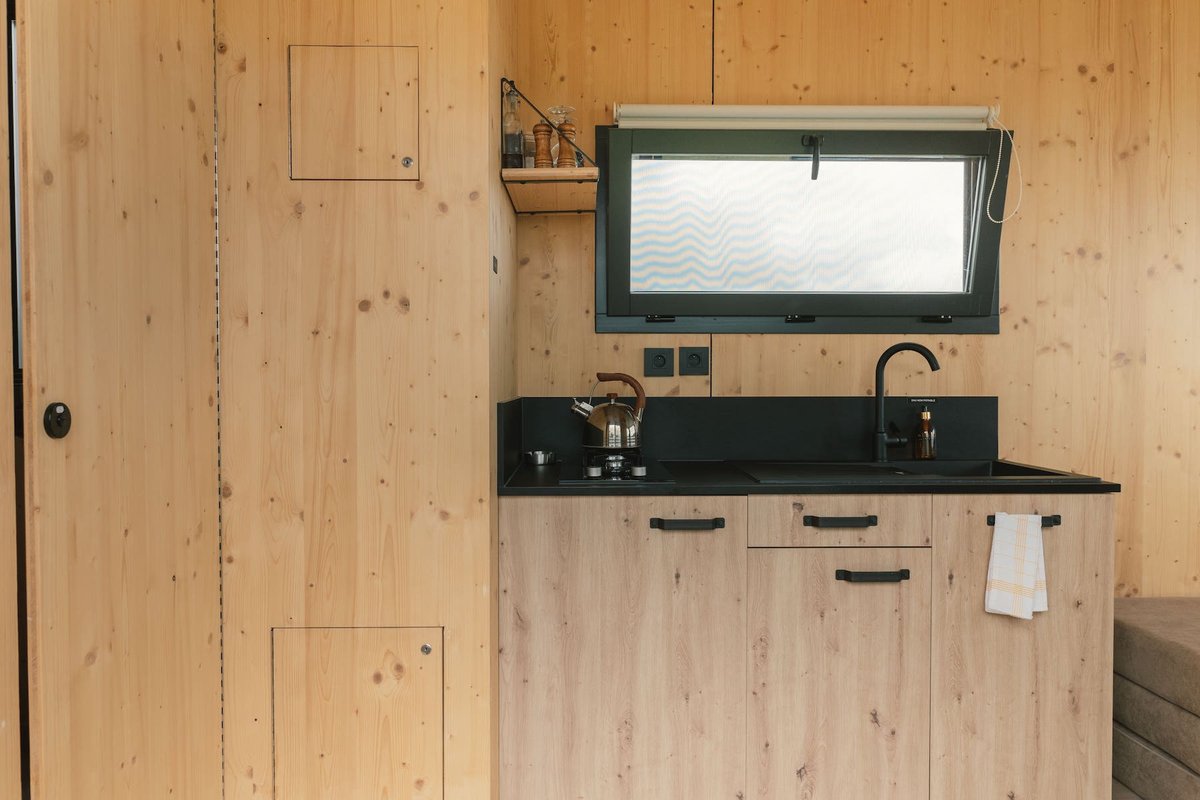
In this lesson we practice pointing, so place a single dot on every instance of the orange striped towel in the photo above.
(1016, 581)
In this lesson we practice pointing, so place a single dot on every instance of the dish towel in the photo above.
(1016, 581)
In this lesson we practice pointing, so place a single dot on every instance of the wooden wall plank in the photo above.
(355, 372)
(590, 55)
(502, 312)
(501, 322)
(558, 350)
(116, 140)
(10, 704)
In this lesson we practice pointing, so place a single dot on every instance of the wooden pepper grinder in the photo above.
(541, 139)
(566, 146)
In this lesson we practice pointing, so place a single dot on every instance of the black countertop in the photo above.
(743, 446)
(729, 478)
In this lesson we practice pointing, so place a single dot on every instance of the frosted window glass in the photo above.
(764, 226)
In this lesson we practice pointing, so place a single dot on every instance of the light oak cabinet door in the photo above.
(622, 666)
(839, 674)
(1023, 709)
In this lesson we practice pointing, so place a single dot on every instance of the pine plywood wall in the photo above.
(588, 55)
(1095, 365)
(355, 378)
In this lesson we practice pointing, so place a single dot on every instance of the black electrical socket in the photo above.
(659, 362)
(693, 361)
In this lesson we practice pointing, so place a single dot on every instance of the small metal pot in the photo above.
(540, 458)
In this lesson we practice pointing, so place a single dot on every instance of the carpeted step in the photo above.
(1168, 727)
(1150, 772)
(1157, 646)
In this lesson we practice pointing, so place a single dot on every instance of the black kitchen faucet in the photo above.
(882, 440)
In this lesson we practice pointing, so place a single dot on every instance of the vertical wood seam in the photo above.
(712, 94)
(217, 400)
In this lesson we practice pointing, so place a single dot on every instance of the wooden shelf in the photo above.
(552, 190)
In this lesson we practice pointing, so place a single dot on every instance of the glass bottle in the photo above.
(513, 152)
(559, 115)
(925, 437)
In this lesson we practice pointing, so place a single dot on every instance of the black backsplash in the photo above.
(755, 428)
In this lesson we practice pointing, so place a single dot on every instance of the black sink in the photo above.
(805, 471)
(978, 469)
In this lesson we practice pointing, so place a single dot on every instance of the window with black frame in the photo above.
(799, 231)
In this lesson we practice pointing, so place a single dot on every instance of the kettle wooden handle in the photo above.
(640, 406)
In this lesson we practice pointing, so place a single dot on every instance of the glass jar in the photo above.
(513, 149)
(559, 115)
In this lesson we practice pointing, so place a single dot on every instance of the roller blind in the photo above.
(735, 117)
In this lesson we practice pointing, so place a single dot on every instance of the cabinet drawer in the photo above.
(840, 520)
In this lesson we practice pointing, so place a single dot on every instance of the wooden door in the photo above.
(116, 149)
(622, 668)
(839, 675)
(1023, 708)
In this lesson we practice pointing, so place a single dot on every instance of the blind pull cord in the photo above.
(994, 116)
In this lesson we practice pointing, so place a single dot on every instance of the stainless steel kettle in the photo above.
(612, 425)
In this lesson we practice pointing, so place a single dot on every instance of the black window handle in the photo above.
(851, 576)
(840, 522)
(815, 143)
(687, 524)
(1049, 521)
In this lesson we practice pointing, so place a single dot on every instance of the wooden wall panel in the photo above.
(501, 312)
(590, 55)
(1095, 365)
(10, 706)
(116, 115)
(355, 373)
(558, 350)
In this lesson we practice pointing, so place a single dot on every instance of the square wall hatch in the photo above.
(354, 112)
(357, 713)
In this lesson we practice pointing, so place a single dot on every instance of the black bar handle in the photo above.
(811, 521)
(687, 524)
(851, 576)
(1048, 521)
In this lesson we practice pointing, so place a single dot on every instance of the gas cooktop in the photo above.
(604, 468)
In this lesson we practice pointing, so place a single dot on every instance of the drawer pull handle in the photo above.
(687, 524)
(840, 522)
(871, 577)
(1049, 521)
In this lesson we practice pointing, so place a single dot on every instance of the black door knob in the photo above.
(57, 420)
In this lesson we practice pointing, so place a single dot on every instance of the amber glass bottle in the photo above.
(925, 438)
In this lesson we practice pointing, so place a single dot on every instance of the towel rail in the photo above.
(1048, 521)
